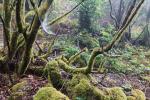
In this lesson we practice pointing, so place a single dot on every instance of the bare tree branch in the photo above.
(111, 14)
(57, 19)
(129, 12)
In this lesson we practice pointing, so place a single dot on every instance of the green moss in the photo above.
(116, 93)
(85, 40)
(100, 95)
(17, 91)
(79, 62)
(131, 98)
(83, 89)
(53, 72)
(146, 78)
(76, 79)
(89, 92)
(73, 86)
(70, 69)
(138, 94)
(49, 93)
(18, 86)
(80, 87)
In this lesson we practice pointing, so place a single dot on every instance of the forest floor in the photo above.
(110, 80)
(138, 79)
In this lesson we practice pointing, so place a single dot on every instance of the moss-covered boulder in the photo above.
(49, 93)
(86, 91)
(74, 81)
(100, 94)
(83, 90)
(116, 93)
(138, 94)
(131, 98)
(18, 91)
(80, 88)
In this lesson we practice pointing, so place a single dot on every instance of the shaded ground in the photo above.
(34, 83)
(110, 80)
(122, 80)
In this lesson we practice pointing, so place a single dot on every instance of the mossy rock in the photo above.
(80, 88)
(83, 89)
(138, 94)
(131, 98)
(100, 95)
(19, 86)
(17, 91)
(49, 93)
(76, 79)
(116, 93)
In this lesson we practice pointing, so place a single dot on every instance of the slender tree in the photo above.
(146, 35)
(118, 16)
(19, 41)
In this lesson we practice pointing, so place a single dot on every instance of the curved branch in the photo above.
(117, 37)
(70, 69)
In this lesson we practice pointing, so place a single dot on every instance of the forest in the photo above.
(74, 49)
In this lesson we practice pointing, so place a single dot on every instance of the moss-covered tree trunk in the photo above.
(24, 35)
(40, 12)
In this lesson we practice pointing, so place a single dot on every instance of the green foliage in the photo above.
(89, 14)
(116, 65)
(71, 51)
(85, 56)
(106, 33)
(85, 13)
(134, 61)
(86, 40)
(127, 55)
